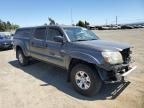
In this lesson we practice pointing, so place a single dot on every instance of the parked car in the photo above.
(99, 28)
(89, 61)
(91, 27)
(6, 42)
(127, 27)
(116, 27)
(139, 26)
(142, 26)
(106, 27)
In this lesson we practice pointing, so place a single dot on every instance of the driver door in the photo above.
(54, 49)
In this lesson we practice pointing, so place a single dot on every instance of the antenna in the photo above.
(106, 22)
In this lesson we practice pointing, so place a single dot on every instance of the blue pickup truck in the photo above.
(89, 61)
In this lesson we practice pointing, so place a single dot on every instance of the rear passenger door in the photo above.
(37, 44)
(54, 48)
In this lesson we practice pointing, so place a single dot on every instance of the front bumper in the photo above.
(116, 73)
(6, 46)
(129, 71)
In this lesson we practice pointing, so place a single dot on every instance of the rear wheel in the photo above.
(23, 60)
(85, 80)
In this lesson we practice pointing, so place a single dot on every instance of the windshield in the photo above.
(80, 34)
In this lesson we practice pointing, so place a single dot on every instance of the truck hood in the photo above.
(103, 45)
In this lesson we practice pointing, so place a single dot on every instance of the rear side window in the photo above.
(40, 33)
(52, 32)
(24, 32)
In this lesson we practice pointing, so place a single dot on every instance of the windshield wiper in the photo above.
(81, 40)
(92, 39)
(85, 40)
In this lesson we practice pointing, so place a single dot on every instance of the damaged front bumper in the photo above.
(115, 73)
(129, 71)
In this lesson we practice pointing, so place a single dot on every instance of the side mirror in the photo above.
(58, 39)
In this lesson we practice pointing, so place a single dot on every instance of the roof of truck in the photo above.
(61, 26)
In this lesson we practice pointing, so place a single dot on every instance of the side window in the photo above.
(52, 32)
(27, 32)
(23, 33)
(40, 33)
(19, 33)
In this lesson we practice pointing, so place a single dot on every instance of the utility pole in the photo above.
(72, 17)
(106, 22)
(116, 20)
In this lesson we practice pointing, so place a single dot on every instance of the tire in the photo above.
(92, 84)
(23, 60)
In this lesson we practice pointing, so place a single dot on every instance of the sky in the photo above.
(97, 12)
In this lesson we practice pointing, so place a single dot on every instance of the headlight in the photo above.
(112, 57)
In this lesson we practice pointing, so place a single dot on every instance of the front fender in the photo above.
(83, 56)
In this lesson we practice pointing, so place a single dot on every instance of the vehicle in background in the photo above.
(110, 27)
(142, 26)
(6, 42)
(115, 27)
(136, 26)
(106, 28)
(126, 27)
(91, 27)
(95, 28)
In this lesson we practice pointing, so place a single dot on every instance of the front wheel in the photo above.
(85, 80)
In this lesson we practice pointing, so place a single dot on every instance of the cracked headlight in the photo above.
(112, 57)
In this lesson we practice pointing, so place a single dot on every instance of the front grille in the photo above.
(126, 55)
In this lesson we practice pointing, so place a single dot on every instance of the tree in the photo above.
(7, 26)
(87, 24)
(51, 21)
(1, 26)
(83, 24)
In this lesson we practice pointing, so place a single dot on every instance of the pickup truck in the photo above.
(90, 62)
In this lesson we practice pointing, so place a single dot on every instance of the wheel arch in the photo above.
(75, 61)
(76, 55)
(19, 47)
